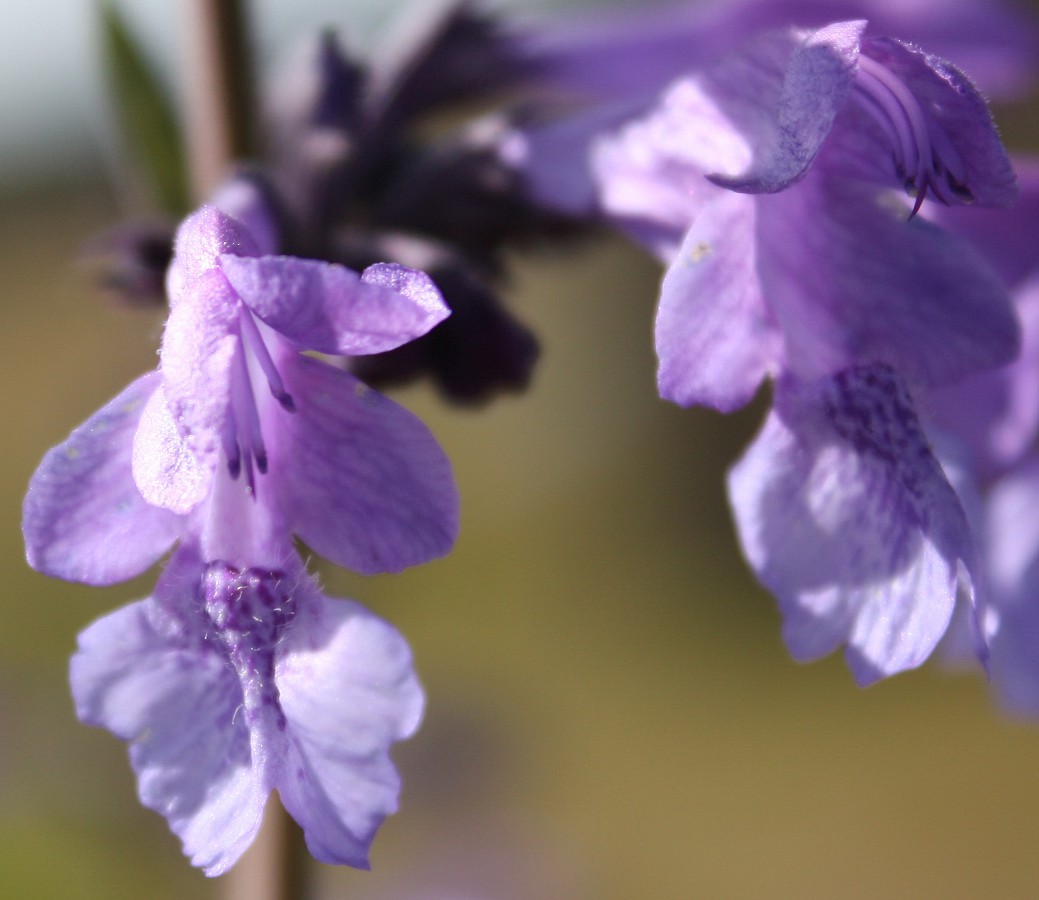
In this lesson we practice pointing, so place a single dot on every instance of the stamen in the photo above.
(925, 157)
(254, 341)
(246, 419)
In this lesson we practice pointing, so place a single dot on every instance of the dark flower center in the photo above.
(926, 160)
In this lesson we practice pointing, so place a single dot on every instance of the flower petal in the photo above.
(847, 518)
(84, 518)
(201, 238)
(714, 336)
(166, 471)
(332, 309)
(862, 284)
(339, 781)
(816, 83)
(198, 353)
(360, 479)
(175, 705)
(959, 112)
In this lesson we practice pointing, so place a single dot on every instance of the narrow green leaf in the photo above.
(145, 114)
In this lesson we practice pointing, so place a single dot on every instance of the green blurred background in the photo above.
(611, 711)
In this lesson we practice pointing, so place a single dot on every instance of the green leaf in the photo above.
(145, 114)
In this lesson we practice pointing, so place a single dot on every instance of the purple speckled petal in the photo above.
(332, 309)
(338, 780)
(84, 518)
(816, 83)
(847, 518)
(360, 479)
(175, 705)
(714, 336)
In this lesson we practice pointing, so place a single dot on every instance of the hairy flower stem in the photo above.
(218, 101)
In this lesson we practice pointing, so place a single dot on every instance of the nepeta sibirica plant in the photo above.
(829, 202)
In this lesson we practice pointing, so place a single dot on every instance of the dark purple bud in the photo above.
(130, 261)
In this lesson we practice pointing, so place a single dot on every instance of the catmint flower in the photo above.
(237, 676)
(786, 189)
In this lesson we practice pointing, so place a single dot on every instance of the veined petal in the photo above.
(176, 706)
(816, 83)
(84, 518)
(846, 516)
(329, 308)
(360, 479)
(714, 336)
(862, 284)
(339, 781)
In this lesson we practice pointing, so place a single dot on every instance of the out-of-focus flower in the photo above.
(770, 185)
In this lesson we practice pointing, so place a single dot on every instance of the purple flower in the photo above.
(771, 186)
(229, 683)
(237, 676)
(354, 475)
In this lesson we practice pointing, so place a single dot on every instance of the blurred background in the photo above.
(612, 714)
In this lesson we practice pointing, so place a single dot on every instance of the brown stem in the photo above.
(218, 98)
(275, 867)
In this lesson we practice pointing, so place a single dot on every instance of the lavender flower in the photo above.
(238, 676)
(766, 184)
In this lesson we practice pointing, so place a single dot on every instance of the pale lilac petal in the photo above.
(329, 308)
(815, 87)
(996, 413)
(651, 173)
(165, 469)
(714, 336)
(360, 479)
(348, 691)
(199, 347)
(175, 705)
(847, 518)
(202, 237)
(911, 295)
(1012, 532)
(84, 518)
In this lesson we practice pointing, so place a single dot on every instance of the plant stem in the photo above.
(275, 866)
(219, 99)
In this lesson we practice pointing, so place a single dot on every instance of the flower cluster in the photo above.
(836, 217)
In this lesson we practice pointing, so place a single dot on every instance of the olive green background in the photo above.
(611, 711)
